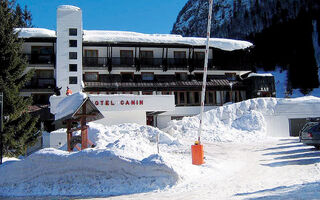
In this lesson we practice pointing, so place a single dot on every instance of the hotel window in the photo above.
(126, 57)
(198, 76)
(181, 76)
(146, 57)
(72, 55)
(73, 68)
(73, 32)
(199, 59)
(147, 76)
(197, 97)
(72, 43)
(91, 53)
(180, 58)
(127, 77)
(73, 80)
(182, 97)
(41, 55)
(91, 76)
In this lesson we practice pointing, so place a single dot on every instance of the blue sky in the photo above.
(145, 16)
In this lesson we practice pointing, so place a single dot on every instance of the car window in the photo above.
(308, 126)
(316, 128)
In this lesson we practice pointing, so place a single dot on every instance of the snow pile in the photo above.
(35, 32)
(239, 122)
(89, 172)
(124, 36)
(69, 105)
(123, 162)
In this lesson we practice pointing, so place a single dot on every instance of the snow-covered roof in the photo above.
(69, 8)
(124, 36)
(69, 105)
(260, 74)
(35, 32)
(134, 37)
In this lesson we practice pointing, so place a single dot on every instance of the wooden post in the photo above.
(69, 135)
(84, 128)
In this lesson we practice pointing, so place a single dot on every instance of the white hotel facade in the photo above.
(128, 63)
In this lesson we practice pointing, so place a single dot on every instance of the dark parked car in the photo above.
(310, 134)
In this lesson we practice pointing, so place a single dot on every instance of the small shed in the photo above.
(74, 112)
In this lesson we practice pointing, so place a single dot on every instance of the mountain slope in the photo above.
(285, 33)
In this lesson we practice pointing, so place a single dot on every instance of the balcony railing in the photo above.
(143, 63)
(42, 83)
(40, 58)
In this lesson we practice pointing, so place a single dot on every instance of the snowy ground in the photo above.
(274, 169)
(241, 161)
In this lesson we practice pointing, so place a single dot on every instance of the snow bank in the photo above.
(89, 172)
(69, 105)
(243, 121)
(124, 36)
(238, 122)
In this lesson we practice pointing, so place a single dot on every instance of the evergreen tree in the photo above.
(19, 130)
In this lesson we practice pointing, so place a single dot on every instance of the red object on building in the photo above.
(69, 91)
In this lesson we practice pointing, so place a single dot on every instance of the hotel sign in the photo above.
(128, 102)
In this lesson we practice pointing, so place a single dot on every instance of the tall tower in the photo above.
(69, 48)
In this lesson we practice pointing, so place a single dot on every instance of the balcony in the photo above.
(136, 63)
(41, 83)
(40, 58)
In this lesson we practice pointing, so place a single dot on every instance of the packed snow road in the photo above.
(278, 168)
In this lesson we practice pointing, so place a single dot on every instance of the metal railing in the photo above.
(40, 58)
(41, 83)
(146, 63)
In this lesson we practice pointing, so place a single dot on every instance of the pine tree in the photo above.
(19, 130)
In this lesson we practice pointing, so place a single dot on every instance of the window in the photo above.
(91, 76)
(198, 76)
(181, 76)
(189, 97)
(73, 80)
(199, 59)
(73, 32)
(72, 55)
(199, 55)
(73, 68)
(91, 53)
(146, 57)
(72, 43)
(196, 97)
(127, 77)
(44, 73)
(41, 55)
(182, 99)
(180, 58)
(126, 57)
(147, 76)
